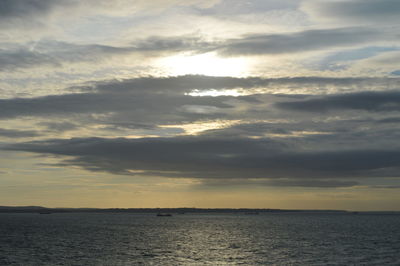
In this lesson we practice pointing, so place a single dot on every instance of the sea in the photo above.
(199, 239)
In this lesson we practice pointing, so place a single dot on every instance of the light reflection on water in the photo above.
(195, 239)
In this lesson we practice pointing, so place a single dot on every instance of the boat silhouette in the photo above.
(164, 214)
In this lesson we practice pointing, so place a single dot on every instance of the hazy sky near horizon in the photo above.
(200, 103)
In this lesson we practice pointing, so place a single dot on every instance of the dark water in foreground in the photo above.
(195, 239)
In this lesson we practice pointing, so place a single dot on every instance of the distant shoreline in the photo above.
(39, 209)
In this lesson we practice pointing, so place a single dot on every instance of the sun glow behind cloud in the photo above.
(201, 126)
(214, 93)
(205, 64)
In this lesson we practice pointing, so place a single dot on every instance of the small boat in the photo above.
(164, 214)
(251, 213)
(45, 212)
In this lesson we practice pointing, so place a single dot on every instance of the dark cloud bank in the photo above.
(216, 158)
(145, 98)
(341, 152)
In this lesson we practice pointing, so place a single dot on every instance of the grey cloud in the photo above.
(386, 186)
(11, 133)
(141, 101)
(312, 183)
(29, 13)
(368, 101)
(151, 101)
(11, 60)
(388, 120)
(320, 131)
(342, 59)
(182, 43)
(22, 8)
(257, 129)
(59, 126)
(309, 40)
(56, 53)
(82, 103)
(210, 158)
(155, 155)
(142, 104)
(396, 73)
(237, 7)
(370, 11)
(146, 96)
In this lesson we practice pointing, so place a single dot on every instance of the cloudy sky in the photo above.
(200, 103)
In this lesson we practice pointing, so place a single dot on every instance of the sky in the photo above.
(290, 104)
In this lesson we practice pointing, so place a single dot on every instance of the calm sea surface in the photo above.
(199, 239)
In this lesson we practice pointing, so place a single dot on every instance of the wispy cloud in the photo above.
(304, 41)
(369, 11)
